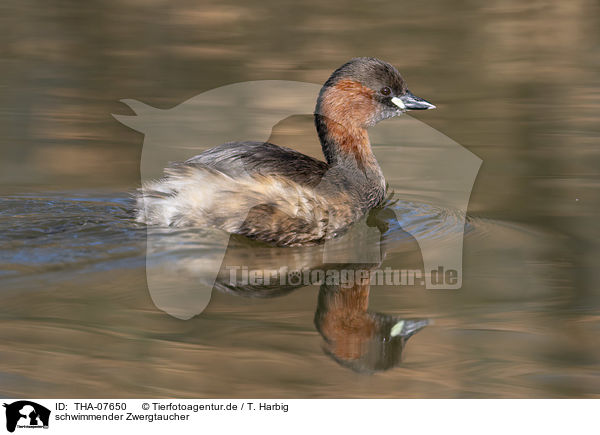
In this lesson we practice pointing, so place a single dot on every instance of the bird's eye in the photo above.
(385, 90)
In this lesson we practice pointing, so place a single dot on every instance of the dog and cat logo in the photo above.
(25, 414)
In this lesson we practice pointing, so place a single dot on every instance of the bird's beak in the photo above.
(409, 101)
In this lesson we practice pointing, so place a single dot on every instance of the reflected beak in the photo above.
(409, 101)
(408, 328)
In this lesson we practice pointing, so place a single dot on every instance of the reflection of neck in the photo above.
(345, 323)
(350, 300)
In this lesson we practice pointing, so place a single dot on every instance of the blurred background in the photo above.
(515, 82)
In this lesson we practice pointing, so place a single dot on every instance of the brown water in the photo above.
(515, 83)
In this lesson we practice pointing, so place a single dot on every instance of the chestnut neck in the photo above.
(345, 144)
(347, 148)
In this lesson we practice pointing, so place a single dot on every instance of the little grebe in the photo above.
(278, 195)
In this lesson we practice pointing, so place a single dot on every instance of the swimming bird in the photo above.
(278, 195)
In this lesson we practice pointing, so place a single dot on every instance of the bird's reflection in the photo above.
(354, 337)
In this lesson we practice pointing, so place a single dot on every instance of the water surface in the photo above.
(77, 318)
